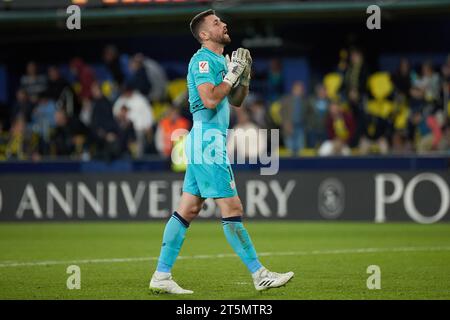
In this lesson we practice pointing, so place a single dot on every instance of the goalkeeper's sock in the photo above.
(241, 243)
(173, 239)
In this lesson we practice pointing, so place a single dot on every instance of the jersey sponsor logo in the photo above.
(203, 66)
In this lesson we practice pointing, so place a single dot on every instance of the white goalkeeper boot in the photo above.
(264, 279)
(163, 283)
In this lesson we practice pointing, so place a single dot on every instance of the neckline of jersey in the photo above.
(209, 50)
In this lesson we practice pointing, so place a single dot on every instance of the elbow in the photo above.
(209, 104)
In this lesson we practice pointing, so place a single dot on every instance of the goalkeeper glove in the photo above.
(236, 66)
(246, 74)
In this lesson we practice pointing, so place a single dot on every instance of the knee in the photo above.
(236, 210)
(189, 213)
(195, 209)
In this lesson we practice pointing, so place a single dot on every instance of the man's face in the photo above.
(123, 114)
(215, 30)
(298, 89)
(60, 118)
(334, 109)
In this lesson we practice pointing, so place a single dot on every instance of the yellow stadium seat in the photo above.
(380, 85)
(275, 112)
(355, 151)
(332, 83)
(374, 148)
(401, 118)
(159, 109)
(176, 87)
(307, 152)
(107, 89)
(380, 108)
(284, 152)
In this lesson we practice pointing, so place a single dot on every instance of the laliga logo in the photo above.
(381, 198)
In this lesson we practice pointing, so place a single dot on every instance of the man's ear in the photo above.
(204, 35)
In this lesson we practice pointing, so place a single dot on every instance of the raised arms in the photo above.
(212, 95)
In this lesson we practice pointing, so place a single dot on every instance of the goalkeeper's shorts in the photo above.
(208, 173)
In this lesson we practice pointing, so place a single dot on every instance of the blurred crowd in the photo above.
(132, 115)
(352, 111)
(80, 116)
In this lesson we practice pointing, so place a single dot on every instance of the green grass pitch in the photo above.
(330, 260)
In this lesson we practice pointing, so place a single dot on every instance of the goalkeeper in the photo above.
(214, 82)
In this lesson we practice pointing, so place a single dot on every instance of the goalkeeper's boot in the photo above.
(163, 283)
(264, 279)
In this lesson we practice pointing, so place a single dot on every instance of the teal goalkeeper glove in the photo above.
(236, 66)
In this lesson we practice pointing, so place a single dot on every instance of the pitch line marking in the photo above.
(6, 264)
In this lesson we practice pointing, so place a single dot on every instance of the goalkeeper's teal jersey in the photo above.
(209, 173)
(207, 66)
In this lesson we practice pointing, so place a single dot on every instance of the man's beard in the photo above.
(223, 40)
(226, 39)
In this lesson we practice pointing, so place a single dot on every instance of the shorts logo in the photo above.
(203, 66)
(232, 185)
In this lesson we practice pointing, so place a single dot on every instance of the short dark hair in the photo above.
(197, 21)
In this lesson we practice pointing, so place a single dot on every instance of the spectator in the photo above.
(445, 69)
(246, 140)
(158, 79)
(446, 85)
(356, 73)
(103, 126)
(417, 98)
(258, 113)
(429, 129)
(33, 83)
(293, 115)
(111, 59)
(22, 106)
(316, 112)
(429, 83)
(15, 146)
(138, 75)
(341, 127)
(166, 127)
(274, 81)
(43, 118)
(85, 76)
(342, 65)
(446, 139)
(20, 144)
(56, 84)
(140, 114)
(376, 135)
(356, 107)
(402, 79)
(126, 133)
(69, 135)
(400, 143)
